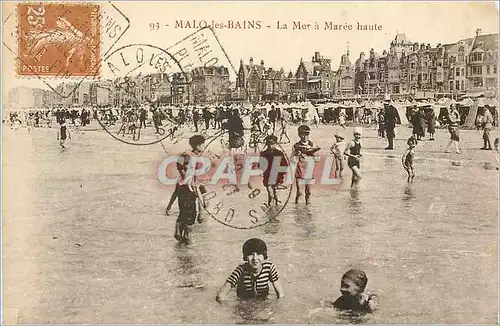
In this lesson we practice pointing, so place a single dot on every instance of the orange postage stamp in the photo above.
(58, 39)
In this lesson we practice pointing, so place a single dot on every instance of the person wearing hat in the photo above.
(300, 150)
(390, 124)
(353, 153)
(337, 150)
(251, 279)
(488, 125)
(272, 155)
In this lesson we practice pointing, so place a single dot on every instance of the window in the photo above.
(488, 70)
(477, 70)
(457, 85)
(462, 86)
(457, 72)
(425, 77)
(412, 65)
(463, 72)
(451, 85)
(494, 69)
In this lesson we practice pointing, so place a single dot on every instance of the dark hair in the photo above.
(196, 140)
(254, 245)
(272, 138)
(358, 277)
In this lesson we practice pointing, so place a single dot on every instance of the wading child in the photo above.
(408, 156)
(251, 279)
(352, 286)
(302, 149)
(185, 194)
(337, 150)
(272, 154)
(62, 134)
(353, 153)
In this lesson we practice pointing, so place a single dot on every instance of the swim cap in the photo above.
(358, 277)
(196, 140)
(271, 139)
(254, 245)
(304, 129)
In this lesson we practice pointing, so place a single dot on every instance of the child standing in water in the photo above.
(269, 154)
(407, 158)
(251, 279)
(189, 209)
(353, 153)
(300, 151)
(352, 286)
(62, 134)
(337, 150)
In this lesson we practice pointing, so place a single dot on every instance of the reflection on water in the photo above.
(414, 241)
(408, 197)
(304, 218)
(255, 311)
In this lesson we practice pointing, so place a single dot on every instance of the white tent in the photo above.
(401, 112)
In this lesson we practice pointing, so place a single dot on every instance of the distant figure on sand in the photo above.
(62, 134)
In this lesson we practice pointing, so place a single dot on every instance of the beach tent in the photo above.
(470, 121)
(310, 109)
(401, 112)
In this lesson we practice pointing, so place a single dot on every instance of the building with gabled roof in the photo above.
(482, 66)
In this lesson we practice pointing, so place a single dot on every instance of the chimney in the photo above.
(478, 32)
(316, 56)
(262, 63)
(251, 61)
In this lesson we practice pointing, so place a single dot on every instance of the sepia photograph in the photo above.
(250, 162)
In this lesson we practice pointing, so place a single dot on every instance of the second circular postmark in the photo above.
(238, 192)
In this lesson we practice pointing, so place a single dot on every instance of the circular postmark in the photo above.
(144, 80)
(246, 201)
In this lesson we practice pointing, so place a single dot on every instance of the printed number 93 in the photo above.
(35, 17)
(154, 26)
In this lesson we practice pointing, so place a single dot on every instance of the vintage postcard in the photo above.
(170, 162)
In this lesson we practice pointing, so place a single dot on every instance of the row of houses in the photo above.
(408, 68)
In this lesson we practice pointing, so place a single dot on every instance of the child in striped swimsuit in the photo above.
(251, 279)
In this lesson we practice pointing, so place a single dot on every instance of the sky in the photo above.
(429, 22)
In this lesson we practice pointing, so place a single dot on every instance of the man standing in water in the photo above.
(390, 124)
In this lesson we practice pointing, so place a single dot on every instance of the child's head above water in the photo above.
(196, 141)
(353, 282)
(254, 245)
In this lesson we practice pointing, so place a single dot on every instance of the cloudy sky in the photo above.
(430, 22)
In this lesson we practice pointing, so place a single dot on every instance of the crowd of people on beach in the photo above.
(264, 131)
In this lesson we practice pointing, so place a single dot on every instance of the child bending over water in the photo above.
(251, 279)
(352, 286)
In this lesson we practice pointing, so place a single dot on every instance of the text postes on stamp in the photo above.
(58, 39)
(248, 201)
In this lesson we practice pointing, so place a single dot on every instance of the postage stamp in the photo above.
(51, 35)
(58, 39)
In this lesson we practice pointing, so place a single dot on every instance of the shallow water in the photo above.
(86, 240)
